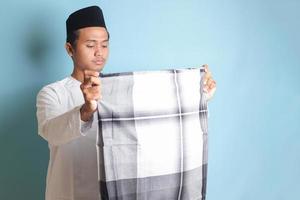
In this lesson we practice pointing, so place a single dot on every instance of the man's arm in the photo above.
(59, 127)
(53, 125)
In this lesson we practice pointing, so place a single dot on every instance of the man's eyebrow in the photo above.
(89, 40)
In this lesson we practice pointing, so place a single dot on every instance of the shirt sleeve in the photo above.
(85, 126)
(55, 124)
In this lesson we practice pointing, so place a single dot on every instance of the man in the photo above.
(66, 109)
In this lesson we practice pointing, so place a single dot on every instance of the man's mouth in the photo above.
(98, 61)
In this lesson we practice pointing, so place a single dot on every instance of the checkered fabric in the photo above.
(152, 138)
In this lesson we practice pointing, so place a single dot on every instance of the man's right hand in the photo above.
(91, 92)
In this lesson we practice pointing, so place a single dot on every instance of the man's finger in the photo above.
(212, 85)
(209, 81)
(205, 67)
(207, 76)
(94, 89)
(211, 93)
(87, 80)
(91, 81)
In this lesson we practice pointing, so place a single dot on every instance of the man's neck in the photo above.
(78, 75)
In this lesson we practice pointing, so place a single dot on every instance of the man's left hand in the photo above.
(210, 84)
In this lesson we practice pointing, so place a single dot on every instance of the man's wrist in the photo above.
(85, 115)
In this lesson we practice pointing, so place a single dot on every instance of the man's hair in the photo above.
(73, 37)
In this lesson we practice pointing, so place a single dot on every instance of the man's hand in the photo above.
(210, 84)
(91, 92)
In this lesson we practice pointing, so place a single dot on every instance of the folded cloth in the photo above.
(152, 138)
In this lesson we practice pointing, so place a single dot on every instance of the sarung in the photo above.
(152, 138)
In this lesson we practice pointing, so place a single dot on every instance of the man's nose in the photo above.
(98, 51)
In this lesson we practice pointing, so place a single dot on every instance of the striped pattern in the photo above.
(152, 141)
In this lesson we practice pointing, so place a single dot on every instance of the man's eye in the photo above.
(104, 46)
(89, 46)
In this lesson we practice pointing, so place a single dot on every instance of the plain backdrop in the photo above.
(252, 48)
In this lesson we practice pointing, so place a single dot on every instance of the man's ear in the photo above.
(69, 49)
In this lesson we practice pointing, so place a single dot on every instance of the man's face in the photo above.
(91, 50)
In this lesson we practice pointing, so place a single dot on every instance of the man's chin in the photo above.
(97, 68)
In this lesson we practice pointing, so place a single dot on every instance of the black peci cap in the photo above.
(86, 17)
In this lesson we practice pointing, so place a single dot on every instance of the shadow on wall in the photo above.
(37, 45)
(24, 154)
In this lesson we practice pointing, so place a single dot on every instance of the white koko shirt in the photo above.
(72, 169)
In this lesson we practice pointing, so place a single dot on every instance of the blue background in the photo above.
(252, 48)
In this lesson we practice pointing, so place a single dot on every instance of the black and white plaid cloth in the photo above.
(152, 141)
